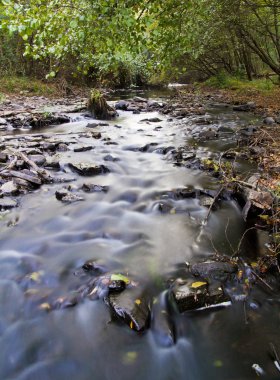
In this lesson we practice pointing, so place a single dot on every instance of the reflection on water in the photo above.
(124, 230)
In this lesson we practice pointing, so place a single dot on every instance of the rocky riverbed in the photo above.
(157, 221)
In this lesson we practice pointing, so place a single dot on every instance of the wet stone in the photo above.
(27, 175)
(91, 188)
(96, 135)
(216, 270)
(164, 150)
(9, 188)
(111, 158)
(206, 201)
(148, 147)
(92, 125)
(38, 159)
(152, 120)
(122, 105)
(83, 148)
(7, 203)
(62, 147)
(94, 266)
(132, 308)
(67, 197)
(3, 121)
(3, 157)
(189, 298)
(250, 106)
(88, 169)
(269, 120)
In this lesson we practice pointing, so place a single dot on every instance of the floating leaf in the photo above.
(45, 306)
(35, 276)
(120, 277)
(130, 357)
(138, 302)
(198, 284)
(218, 363)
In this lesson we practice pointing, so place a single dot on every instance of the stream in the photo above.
(124, 230)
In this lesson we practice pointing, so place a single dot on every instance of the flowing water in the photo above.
(124, 230)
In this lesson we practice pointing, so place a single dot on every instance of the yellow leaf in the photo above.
(138, 302)
(173, 211)
(120, 277)
(198, 284)
(45, 306)
(130, 357)
(131, 325)
(254, 265)
(35, 276)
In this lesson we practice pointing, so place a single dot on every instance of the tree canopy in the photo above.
(205, 35)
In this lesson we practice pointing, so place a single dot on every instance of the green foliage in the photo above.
(223, 80)
(130, 40)
(26, 85)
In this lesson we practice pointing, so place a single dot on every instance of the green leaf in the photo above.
(120, 277)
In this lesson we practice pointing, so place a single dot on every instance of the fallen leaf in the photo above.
(198, 284)
(138, 302)
(120, 277)
(45, 306)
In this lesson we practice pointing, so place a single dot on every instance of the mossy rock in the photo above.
(98, 106)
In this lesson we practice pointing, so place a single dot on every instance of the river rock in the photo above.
(86, 169)
(250, 106)
(27, 175)
(152, 120)
(122, 105)
(91, 188)
(67, 197)
(38, 159)
(138, 99)
(269, 121)
(216, 270)
(7, 203)
(96, 135)
(83, 148)
(3, 157)
(3, 121)
(189, 297)
(208, 135)
(110, 158)
(92, 125)
(153, 104)
(94, 266)
(9, 188)
(148, 147)
(132, 307)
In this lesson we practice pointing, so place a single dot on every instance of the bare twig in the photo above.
(236, 253)
(212, 205)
